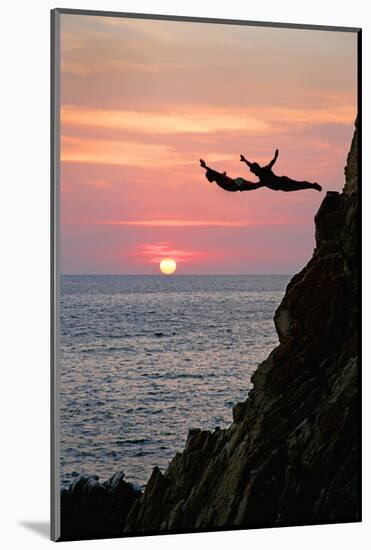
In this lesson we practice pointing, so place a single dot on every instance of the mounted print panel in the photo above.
(206, 287)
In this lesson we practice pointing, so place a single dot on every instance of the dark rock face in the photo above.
(291, 454)
(90, 509)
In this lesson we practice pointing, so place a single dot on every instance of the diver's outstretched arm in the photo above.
(204, 165)
(273, 160)
(243, 159)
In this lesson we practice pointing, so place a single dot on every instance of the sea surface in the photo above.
(145, 358)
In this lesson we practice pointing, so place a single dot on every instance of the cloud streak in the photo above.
(127, 153)
(193, 223)
(198, 120)
(182, 120)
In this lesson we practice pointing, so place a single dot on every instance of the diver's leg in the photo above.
(249, 185)
(287, 184)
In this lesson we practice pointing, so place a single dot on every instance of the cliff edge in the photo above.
(291, 454)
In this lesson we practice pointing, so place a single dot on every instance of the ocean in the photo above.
(146, 358)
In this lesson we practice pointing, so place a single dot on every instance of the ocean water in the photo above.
(145, 358)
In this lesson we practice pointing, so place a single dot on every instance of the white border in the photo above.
(24, 234)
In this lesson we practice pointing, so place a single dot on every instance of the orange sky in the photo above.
(143, 100)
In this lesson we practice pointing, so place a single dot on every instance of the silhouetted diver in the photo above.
(278, 183)
(227, 183)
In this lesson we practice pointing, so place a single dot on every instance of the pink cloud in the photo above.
(154, 253)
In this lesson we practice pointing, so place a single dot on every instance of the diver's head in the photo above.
(210, 175)
(254, 168)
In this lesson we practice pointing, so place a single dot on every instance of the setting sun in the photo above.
(168, 266)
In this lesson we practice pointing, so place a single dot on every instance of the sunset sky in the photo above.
(143, 101)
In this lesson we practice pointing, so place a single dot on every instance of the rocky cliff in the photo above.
(291, 453)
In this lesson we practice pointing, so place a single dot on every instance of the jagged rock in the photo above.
(291, 454)
(90, 509)
(351, 168)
